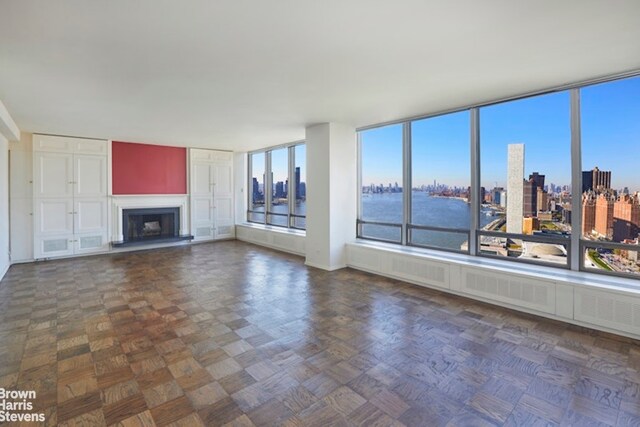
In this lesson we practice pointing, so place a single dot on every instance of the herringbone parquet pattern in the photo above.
(233, 334)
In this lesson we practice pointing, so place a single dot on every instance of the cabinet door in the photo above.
(223, 201)
(53, 174)
(90, 215)
(201, 179)
(90, 175)
(202, 199)
(53, 217)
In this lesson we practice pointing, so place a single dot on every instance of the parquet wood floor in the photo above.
(233, 334)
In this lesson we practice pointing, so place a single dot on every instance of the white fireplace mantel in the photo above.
(138, 201)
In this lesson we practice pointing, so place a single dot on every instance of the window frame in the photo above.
(575, 244)
(268, 187)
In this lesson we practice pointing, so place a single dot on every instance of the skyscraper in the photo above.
(588, 212)
(257, 195)
(543, 200)
(280, 190)
(515, 174)
(529, 198)
(596, 180)
(298, 193)
(626, 218)
(604, 215)
(538, 179)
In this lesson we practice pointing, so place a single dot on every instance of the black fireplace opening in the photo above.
(150, 225)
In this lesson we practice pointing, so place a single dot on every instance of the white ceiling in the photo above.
(245, 74)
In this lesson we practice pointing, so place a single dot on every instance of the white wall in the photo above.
(21, 198)
(331, 194)
(4, 205)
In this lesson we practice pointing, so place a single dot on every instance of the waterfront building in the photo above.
(604, 215)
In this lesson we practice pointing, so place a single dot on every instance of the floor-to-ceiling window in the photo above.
(381, 207)
(256, 188)
(525, 178)
(610, 192)
(277, 183)
(440, 182)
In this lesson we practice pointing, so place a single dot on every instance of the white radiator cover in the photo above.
(551, 294)
(274, 238)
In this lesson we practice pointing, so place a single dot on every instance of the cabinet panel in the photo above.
(201, 179)
(90, 215)
(202, 207)
(50, 143)
(224, 217)
(67, 144)
(53, 216)
(223, 179)
(90, 146)
(21, 173)
(53, 175)
(90, 175)
(199, 154)
(224, 209)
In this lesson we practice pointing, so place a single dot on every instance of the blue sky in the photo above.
(610, 140)
(279, 164)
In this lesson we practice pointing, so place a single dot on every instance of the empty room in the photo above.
(319, 213)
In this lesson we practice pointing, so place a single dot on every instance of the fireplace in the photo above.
(150, 225)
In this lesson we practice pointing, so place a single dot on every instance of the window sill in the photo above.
(555, 274)
(273, 228)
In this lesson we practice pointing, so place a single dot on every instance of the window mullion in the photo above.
(575, 257)
(268, 183)
(291, 187)
(406, 180)
(474, 190)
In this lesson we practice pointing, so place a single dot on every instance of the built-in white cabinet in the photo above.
(211, 194)
(70, 196)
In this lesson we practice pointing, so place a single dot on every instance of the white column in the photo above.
(331, 194)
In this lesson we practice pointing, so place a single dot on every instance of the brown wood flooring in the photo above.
(234, 334)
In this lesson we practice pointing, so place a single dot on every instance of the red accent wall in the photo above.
(148, 169)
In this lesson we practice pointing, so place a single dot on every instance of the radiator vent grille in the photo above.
(224, 229)
(363, 258)
(54, 245)
(538, 295)
(419, 270)
(90, 242)
(611, 310)
(203, 231)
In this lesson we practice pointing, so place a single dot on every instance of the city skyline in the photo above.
(440, 148)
